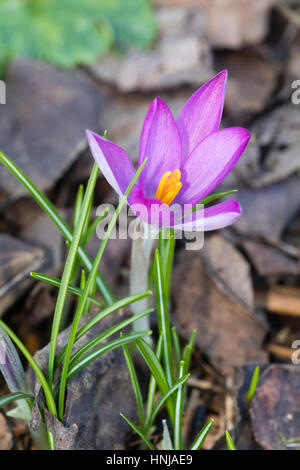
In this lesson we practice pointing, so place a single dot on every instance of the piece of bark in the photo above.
(180, 56)
(95, 397)
(251, 67)
(229, 268)
(232, 24)
(6, 437)
(275, 408)
(45, 233)
(269, 260)
(267, 211)
(39, 97)
(273, 154)
(40, 304)
(279, 130)
(17, 260)
(227, 331)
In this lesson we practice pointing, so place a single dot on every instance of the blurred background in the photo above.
(68, 65)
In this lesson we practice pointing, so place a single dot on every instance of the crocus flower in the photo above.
(187, 159)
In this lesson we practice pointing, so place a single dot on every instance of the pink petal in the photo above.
(210, 162)
(201, 114)
(212, 218)
(160, 142)
(112, 160)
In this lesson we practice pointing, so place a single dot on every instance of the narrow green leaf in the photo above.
(47, 391)
(77, 206)
(91, 356)
(62, 226)
(156, 369)
(161, 402)
(188, 350)
(106, 334)
(201, 436)
(167, 257)
(176, 344)
(107, 311)
(54, 281)
(213, 197)
(82, 279)
(138, 431)
(229, 442)
(135, 385)
(253, 384)
(163, 318)
(6, 399)
(103, 314)
(178, 411)
(68, 272)
(152, 386)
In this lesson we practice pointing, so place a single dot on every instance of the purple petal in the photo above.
(150, 210)
(160, 142)
(210, 162)
(212, 218)
(201, 114)
(112, 160)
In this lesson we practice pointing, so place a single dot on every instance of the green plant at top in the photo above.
(72, 32)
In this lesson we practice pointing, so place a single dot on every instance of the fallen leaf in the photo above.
(275, 409)
(17, 260)
(227, 331)
(38, 96)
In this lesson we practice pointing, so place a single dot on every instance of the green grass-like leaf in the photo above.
(69, 270)
(163, 399)
(201, 436)
(163, 318)
(152, 386)
(106, 334)
(7, 399)
(158, 372)
(54, 281)
(111, 345)
(253, 384)
(138, 431)
(229, 441)
(178, 411)
(47, 391)
(135, 385)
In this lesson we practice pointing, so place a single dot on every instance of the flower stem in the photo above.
(140, 263)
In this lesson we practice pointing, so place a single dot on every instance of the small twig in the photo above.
(282, 352)
(280, 300)
(204, 385)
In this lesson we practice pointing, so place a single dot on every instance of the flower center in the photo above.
(169, 186)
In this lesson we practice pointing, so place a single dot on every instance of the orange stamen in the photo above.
(169, 186)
